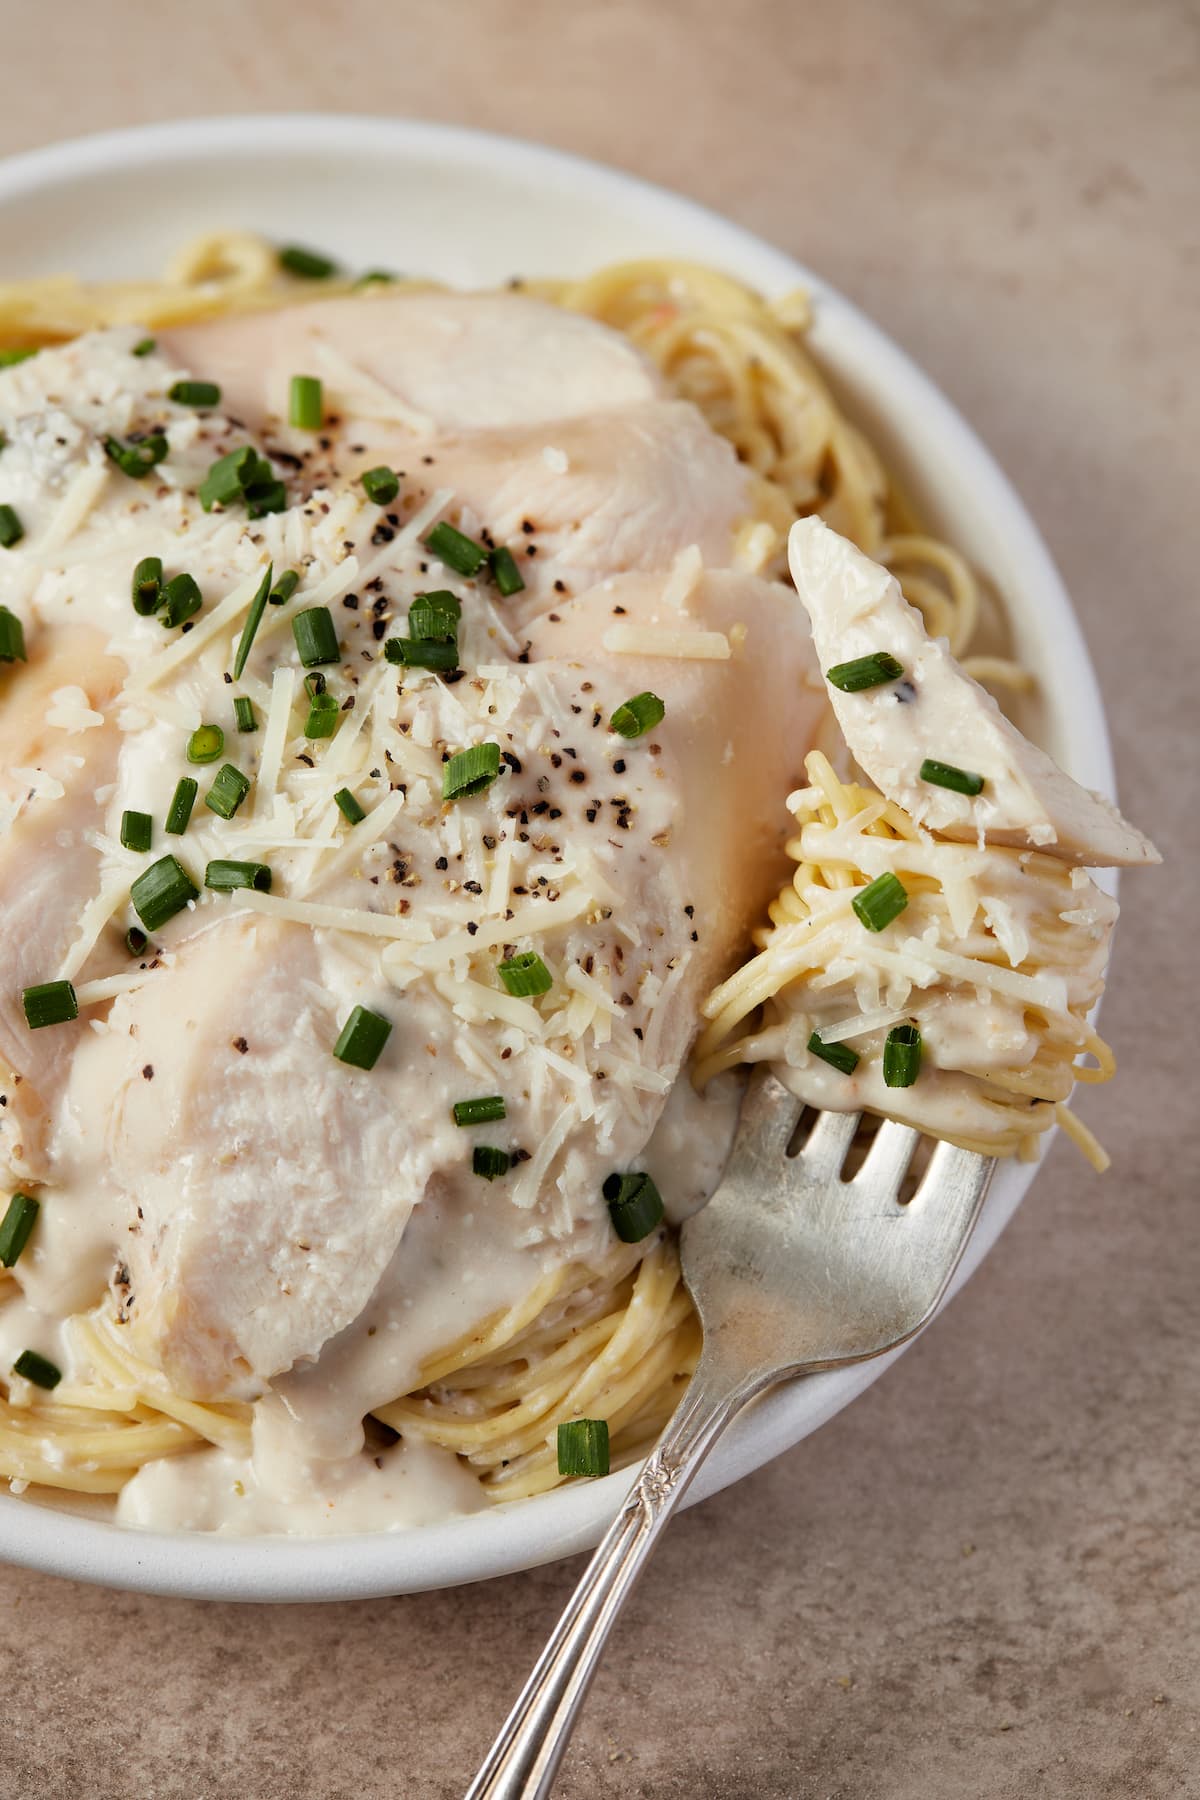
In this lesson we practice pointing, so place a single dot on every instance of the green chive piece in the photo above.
(456, 550)
(316, 637)
(181, 598)
(324, 717)
(884, 900)
(227, 792)
(435, 617)
(137, 830)
(309, 264)
(525, 975)
(137, 460)
(362, 1039)
(147, 586)
(195, 393)
(414, 653)
(306, 406)
(470, 771)
(901, 1056)
(205, 744)
(16, 1226)
(484, 1111)
(136, 941)
(504, 570)
(11, 528)
(10, 358)
(180, 811)
(489, 1161)
(38, 1369)
(348, 806)
(161, 891)
(12, 637)
(50, 1003)
(145, 347)
(634, 1205)
(640, 714)
(381, 485)
(244, 714)
(370, 276)
(864, 672)
(223, 877)
(583, 1447)
(284, 588)
(315, 684)
(265, 497)
(945, 775)
(838, 1056)
(258, 607)
(226, 479)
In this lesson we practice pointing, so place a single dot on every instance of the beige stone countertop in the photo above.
(982, 1581)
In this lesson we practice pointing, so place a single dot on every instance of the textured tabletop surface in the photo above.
(983, 1579)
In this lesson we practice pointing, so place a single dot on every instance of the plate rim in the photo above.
(526, 1533)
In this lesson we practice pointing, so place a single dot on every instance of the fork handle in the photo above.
(522, 1762)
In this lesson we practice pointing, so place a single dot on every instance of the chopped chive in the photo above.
(12, 637)
(265, 497)
(309, 264)
(180, 811)
(884, 900)
(370, 276)
(38, 1369)
(583, 1447)
(525, 975)
(258, 607)
(381, 485)
(901, 1056)
(16, 1226)
(161, 891)
(362, 1039)
(136, 941)
(306, 407)
(324, 715)
(223, 877)
(244, 714)
(227, 792)
(195, 393)
(945, 775)
(147, 586)
(11, 528)
(181, 598)
(137, 460)
(348, 806)
(456, 550)
(415, 653)
(505, 573)
(284, 588)
(634, 1205)
(838, 1056)
(435, 617)
(864, 672)
(315, 684)
(316, 637)
(484, 1111)
(640, 714)
(144, 347)
(205, 744)
(50, 1003)
(10, 358)
(470, 771)
(137, 830)
(488, 1161)
(226, 479)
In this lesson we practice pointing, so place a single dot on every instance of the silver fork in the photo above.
(792, 1270)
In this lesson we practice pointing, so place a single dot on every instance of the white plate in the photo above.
(473, 209)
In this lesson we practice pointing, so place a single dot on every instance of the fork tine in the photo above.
(768, 1117)
(828, 1142)
(888, 1158)
(958, 1177)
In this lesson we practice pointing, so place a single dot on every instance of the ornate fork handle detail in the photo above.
(522, 1762)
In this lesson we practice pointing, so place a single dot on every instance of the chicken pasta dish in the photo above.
(443, 737)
